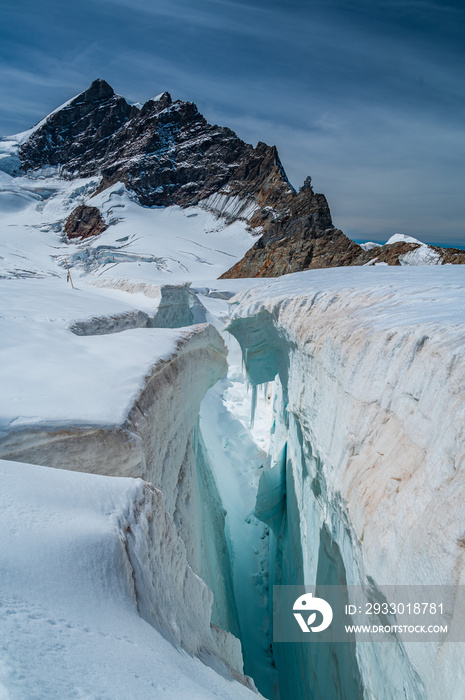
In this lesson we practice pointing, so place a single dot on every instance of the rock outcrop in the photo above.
(309, 247)
(83, 222)
(300, 238)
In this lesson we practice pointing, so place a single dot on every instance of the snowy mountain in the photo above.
(104, 374)
(161, 474)
(165, 153)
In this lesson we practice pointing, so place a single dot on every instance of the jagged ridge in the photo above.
(167, 153)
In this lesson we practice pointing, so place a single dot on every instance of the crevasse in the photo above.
(359, 418)
(361, 483)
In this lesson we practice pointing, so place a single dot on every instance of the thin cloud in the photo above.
(365, 97)
(188, 14)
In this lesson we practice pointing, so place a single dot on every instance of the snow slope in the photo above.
(59, 370)
(371, 416)
(53, 377)
(96, 379)
(97, 598)
(155, 245)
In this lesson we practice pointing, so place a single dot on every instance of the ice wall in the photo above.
(365, 482)
(237, 462)
(171, 309)
(112, 609)
(157, 440)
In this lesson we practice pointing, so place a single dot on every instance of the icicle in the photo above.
(253, 406)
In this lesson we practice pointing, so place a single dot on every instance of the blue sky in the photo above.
(366, 97)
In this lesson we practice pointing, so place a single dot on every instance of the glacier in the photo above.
(160, 473)
(98, 599)
(364, 481)
(107, 378)
(353, 454)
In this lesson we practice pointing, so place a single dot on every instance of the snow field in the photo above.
(98, 600)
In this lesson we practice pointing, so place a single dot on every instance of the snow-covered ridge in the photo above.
(96, 578)
(369, 245)
(415, 252)
(395, 238)
(371, 413)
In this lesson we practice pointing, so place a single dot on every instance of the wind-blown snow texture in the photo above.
(372, 413)
(156, 245)
(97, 597)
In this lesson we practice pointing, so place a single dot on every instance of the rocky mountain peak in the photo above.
(77, 130)
(167, 153)
(99, 90)
(162, 101)
(156, 104)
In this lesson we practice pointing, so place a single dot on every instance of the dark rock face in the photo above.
(167, 153)
(330, 249)
(390, 254)
(83, 222)
(174, 156)
(78, 132)
(295, 254)
(301, 238)
(451, 256)
(305, 211)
